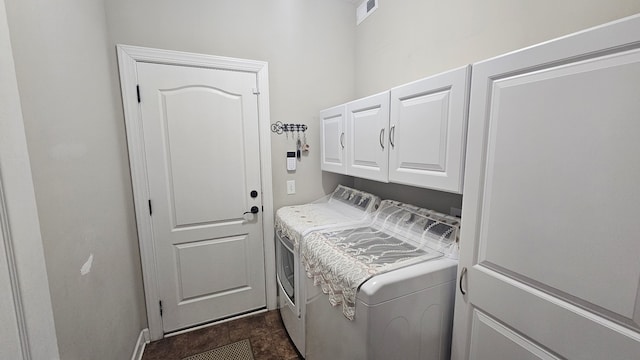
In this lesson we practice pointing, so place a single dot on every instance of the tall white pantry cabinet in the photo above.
(550, 237)
(549, 249)
(413, 134)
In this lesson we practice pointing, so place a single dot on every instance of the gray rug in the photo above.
(240, 350)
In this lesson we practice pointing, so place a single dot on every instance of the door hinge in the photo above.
(160, 307)
(256, 91)
(138, 92)
(150, 208)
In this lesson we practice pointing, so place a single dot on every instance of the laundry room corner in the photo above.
(471, 134)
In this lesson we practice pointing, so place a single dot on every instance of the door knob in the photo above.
(254, 210)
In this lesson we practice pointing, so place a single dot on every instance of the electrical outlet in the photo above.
(291, 187)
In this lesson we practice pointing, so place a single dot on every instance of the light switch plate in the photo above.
(291, 187)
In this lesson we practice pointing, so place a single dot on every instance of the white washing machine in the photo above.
(382, 291)
(343, 207)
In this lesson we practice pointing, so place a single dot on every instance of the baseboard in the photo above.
(143, 340)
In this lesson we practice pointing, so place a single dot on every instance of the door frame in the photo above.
(128, 57)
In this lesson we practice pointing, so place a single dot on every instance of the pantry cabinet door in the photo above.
(427, 133)
(549, 250)
(332, 134)
(367, 137)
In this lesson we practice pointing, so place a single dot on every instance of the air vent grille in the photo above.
(370, 5)
(366, 8)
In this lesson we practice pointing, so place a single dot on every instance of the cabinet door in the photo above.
(549, 241)
(332, 138)
(367, 141)
(428, 127)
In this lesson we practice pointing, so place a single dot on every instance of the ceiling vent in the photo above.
(365, 9)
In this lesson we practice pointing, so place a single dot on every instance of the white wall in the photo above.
(76, 141)
(308, 44)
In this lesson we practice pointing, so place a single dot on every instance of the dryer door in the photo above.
(287, 275)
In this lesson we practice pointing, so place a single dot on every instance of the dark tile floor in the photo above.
(269, 339)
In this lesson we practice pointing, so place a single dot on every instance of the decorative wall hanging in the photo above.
(280, 128)
(301, 143)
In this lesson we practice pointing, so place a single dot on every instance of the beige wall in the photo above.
(308, 44)
(427, 198)
(68, 82)
(67, 77)
(25, 301)
(404, 40)
(76, 140)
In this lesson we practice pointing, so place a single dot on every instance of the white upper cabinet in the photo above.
(367, 127)
(428, 124)
(332, 127)
(414, 134)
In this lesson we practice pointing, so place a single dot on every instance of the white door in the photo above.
(550, 234)
(332, 129)
(367, 130)
(201, 143)
(427, 131)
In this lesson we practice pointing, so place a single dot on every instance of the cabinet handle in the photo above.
(381, 137)
(342, 140)
(463, 273)
(392, 136)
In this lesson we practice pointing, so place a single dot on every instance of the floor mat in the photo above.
(240, 350)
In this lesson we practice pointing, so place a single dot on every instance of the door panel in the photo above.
(552, 198)
(493, 340)
(202, 151)
(428, 126)
(421, 140)
(332, 124)
(194, 143)
(367, 131)
(215, 256)
(566, 329)
(581, 159)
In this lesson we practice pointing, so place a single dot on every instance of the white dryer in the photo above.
(384, 290)
(345, 206)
